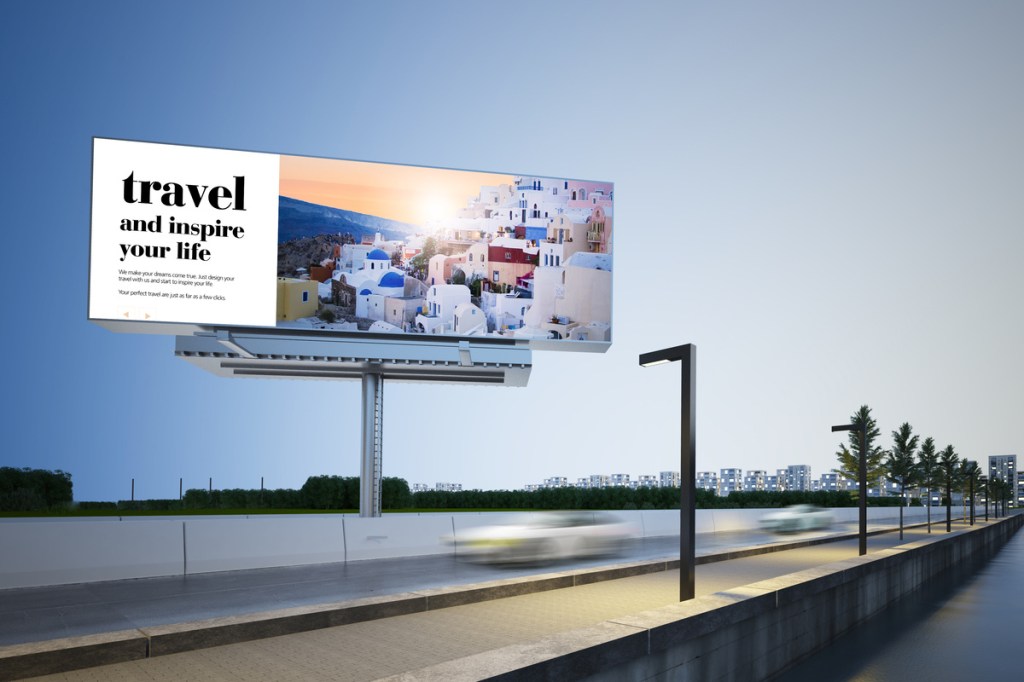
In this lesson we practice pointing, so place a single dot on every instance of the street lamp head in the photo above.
(660, 357)
(847, 427)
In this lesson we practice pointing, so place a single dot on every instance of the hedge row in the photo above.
(325, 493)
(24, 490)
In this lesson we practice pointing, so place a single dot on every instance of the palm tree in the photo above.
(928, 470)
(948, 461)
(849, 457)
(993, 493)
(969, 474)
(900, 466)
(1001, 492)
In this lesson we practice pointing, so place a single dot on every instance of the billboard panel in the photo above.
(190, 237)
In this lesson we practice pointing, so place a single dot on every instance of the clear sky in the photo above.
(826, 198)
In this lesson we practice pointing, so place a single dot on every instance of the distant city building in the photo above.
(882, 488)
(730, 481)
(707, 480)
(420, 487)
(829, 482)
(795, 477)
(448, 487)
(782, 476)
(1004, 468)
(755, 479)
(936, 496)
(670, 479)
(798, 477)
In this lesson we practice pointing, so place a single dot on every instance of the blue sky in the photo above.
(824, 197)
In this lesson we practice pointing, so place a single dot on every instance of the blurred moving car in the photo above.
(797, 517)
(544, 536)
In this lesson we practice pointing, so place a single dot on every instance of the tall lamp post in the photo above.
(988, 493)
(686, 355)
(862, 482)
(974, 470)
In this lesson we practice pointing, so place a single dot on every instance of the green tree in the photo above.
(394, 493)
(1003, 490)
(420, 263)
(330, 492)
(849, 456)
(900, 465)
(970, 479)
(986, 490)
(948, 471)
(34, 489)
(429, 248)
(928, 472)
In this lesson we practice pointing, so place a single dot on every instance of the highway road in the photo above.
(40, 613)
(406, 644)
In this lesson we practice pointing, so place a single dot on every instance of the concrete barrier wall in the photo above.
(62, 552)
(40, 552)
(396, 536)
(752, 632)
(765, 627)
(233, 543)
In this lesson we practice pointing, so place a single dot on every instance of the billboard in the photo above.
(187, 238)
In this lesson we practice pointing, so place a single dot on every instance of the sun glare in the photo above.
(434, 211)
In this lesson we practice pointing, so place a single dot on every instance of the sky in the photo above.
(410, 194)
(824, 197)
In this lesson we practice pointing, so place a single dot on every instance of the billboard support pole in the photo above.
(370, 468)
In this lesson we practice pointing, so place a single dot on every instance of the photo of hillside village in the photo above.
(527, 259)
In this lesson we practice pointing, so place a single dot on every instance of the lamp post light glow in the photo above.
(862, 483)
(687, 357)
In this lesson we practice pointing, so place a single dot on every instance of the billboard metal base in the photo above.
(259, 354)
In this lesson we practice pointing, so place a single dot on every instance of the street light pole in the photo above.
(988, 493)
(862, 483)
(971, 486)
(686, 355)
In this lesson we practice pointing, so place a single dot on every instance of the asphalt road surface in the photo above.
(41, 613)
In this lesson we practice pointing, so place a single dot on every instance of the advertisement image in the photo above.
(213, 238)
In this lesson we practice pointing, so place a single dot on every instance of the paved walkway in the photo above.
(405, 644)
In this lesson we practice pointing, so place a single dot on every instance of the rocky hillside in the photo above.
(300, 253)
(302, 219)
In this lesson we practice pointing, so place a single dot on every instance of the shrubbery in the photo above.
(26, 489)
(36, 490)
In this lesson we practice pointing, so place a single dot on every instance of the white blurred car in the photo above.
(544, 536)
(796, 518)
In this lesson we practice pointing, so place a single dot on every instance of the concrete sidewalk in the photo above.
(373, 638)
